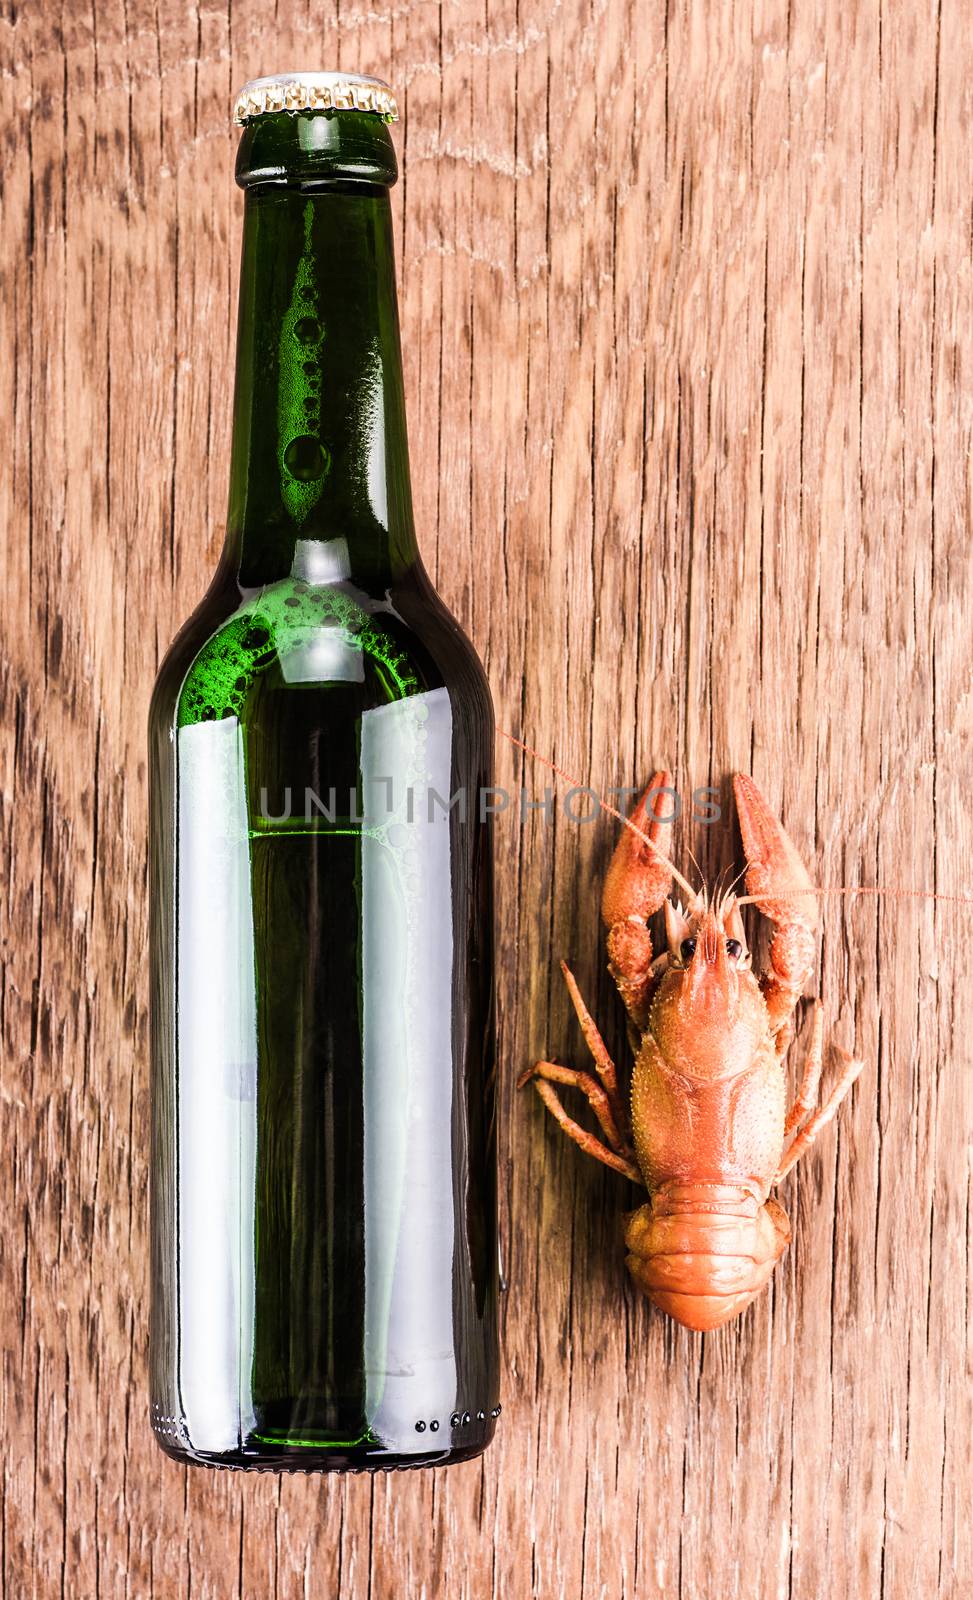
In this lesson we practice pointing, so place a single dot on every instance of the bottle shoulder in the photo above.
(297, 635)
(221, 600)
(423, 609)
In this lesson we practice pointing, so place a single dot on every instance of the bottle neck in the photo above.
(319, 476)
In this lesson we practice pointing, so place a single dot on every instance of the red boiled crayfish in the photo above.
(709, 1133)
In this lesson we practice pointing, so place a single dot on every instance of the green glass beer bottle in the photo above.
(324, 1238)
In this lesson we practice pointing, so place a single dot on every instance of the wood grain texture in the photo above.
(688, 323)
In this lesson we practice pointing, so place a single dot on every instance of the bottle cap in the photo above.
(314, 91)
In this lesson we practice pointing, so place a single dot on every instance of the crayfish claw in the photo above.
(774, 868)
(637, 884)
(776, 879)
(637, 881)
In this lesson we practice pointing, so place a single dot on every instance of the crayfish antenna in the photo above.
(605, 805)
(780, 893)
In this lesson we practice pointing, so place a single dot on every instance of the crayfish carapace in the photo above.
(709, 1133)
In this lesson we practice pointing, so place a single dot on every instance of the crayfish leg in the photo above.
(553, 1072)
(807, 1094)
(585, 1141)
(852, 1067)
(604, 1065)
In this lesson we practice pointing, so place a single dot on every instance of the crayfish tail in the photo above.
(702, 1252)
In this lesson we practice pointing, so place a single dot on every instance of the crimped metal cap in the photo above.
(314, 91)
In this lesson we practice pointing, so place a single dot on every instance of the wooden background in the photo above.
(688, 324)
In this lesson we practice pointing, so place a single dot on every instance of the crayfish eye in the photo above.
(734, 949)
(686, 949)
